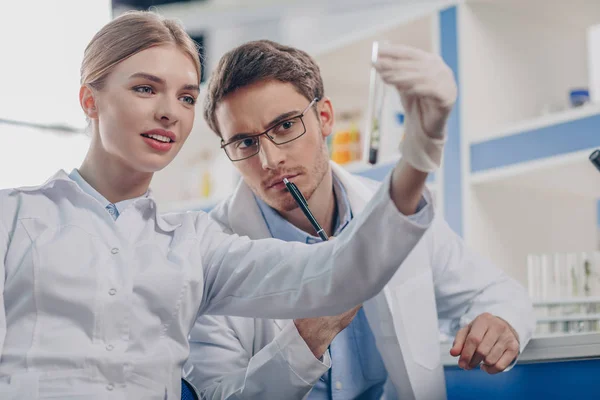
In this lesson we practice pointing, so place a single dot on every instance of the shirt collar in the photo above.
(282, 229)
(87, 188)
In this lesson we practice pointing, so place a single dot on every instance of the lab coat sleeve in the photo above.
(270, 278)
(468, 285)
(221, 367)
(4, 239)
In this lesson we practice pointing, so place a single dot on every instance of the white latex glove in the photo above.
(428, 91)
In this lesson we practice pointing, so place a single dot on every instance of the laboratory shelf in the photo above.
(566, 301)
(568, 318)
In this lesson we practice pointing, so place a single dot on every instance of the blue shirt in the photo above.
(113, 209)
(356, 365)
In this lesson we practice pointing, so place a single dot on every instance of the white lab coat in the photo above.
(97, 308)
(242, 358)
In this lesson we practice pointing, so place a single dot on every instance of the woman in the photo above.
(100, 291)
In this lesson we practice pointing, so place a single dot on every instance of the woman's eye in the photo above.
(143, 89)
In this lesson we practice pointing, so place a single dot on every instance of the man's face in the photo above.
(304, 161)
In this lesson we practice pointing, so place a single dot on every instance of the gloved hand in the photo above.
(428, 92)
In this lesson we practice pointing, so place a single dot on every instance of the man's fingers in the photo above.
(409, 78)
(399, 52)
(487, 344)
(390, 65)
(472, 342)
(495, 353)
(459, 341)
(505, 360)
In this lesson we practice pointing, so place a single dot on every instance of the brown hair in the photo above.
(258, 61)
(127, 35)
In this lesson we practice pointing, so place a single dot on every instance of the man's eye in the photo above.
(244, 143)
(287, 125)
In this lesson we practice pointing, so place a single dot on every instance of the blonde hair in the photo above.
(127, 35)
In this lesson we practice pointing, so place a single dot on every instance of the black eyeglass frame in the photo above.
(266, 133)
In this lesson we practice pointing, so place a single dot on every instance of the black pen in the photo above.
(297, 195)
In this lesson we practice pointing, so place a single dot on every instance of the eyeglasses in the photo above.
(281, 133)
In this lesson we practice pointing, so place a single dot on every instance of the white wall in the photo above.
(42, 44)
(509, 222)
(29, 156)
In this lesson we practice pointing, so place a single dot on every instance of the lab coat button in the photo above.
(109, 347)
(112, 291)
(115, 250)
(110, 387)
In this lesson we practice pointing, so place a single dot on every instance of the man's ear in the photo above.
(326, 116)
(87, 100)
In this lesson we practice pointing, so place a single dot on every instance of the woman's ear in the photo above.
(87, 101)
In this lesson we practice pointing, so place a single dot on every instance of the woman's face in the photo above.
(145, 111)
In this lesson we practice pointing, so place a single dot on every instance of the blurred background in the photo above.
(516, 182)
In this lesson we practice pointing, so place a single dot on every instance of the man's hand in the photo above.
(428, 91)
(425, 83)
(487, 339)
(319, 332)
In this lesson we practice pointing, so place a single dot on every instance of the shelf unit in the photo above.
(528, 184)
(566, 301)
(569, 318)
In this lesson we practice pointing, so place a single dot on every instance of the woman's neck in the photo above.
(112, 178)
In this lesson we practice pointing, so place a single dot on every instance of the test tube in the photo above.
(374, 111)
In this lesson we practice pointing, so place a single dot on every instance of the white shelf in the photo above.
(566, 301)
(570, 173)
(543, 121)
(568, 318)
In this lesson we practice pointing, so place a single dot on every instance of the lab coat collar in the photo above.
(357, 191)
(62, 179)
(245, 217)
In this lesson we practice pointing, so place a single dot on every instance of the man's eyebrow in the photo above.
(275, 121)
(282, 117)
(239, 136)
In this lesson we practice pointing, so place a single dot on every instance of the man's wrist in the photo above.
(317, 342)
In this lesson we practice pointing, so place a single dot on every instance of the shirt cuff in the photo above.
(424, 212)
(299, 357)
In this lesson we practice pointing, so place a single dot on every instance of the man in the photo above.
(267, 103)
